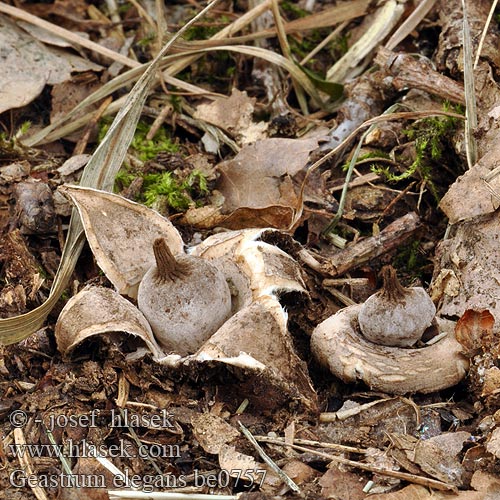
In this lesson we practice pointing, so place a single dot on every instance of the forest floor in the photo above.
(303, 154)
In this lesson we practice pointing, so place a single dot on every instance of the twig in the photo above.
(359, 181)
(351, 412)
(346, 281)
(289, 482)
(310, 442)
(342, 297)
(410, 72)
(411, 478)
(390, 237)
(334, 34)
(411, 22)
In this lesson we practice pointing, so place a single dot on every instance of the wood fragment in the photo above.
(410, 72)
(309, 442)
(388, 239)
(411, 478)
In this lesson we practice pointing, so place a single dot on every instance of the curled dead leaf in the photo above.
(260, 184)
(474, 330)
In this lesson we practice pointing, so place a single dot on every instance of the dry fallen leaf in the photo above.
(493, 444)
(299, 472)
(491, 386)
(240, 465)
(259, 181)
(474, 331)
(234, 115)
(27, 65)
(474, 193)
(338, 484)
(471, 254)
(212, 432)
(438, 462)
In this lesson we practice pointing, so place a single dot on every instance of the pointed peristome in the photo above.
(168, 268)
(392, 289)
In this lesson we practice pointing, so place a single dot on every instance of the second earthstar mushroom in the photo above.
(396, 316)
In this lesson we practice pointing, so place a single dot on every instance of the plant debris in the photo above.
(294, 149)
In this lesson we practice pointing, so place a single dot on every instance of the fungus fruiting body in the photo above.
(184, 298)
(396, 316)
(374, 342)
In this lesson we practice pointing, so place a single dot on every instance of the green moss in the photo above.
(206, 29)
(147, 40)
(372, 154)
(430, 136)
(147, 149)
(144, 149)
(293, 10)
(178, 193)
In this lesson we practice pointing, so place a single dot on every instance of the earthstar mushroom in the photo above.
(396, 316)
(184, 298)
(339, 344)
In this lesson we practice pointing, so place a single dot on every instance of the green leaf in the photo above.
(334, 90)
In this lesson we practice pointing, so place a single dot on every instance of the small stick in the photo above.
(351, 412)
(389, 238)
(289, 482)
(409, 72)
(347, 301)
(309, 442)
(346, 281)
(411, 478)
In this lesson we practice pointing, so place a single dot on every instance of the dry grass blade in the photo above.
(285, 48)
(350, 64)
(410, 24)
(349, 172)
(470, 93)
(180, 61)
(66, 35)
(99, 173)
(70, 124)
(485, 32)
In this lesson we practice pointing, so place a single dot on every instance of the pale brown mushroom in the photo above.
(337, 343)
(396, 316)
(184, 298)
